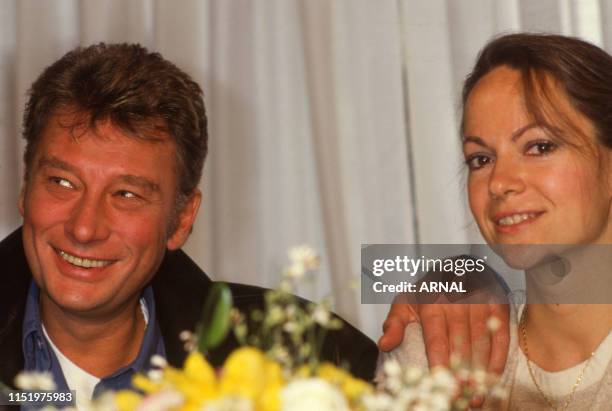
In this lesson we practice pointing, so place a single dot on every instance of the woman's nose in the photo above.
(505, 179)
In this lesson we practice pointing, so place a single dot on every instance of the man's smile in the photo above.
(83, 262)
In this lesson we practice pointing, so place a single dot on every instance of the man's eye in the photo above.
(126, 194)
(477, 161)
(540, 148)
(61, 182)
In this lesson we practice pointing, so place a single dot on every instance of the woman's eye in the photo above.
(61, 182)
(477, 161)
(540, 148)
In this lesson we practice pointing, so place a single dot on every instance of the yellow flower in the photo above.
(243, 373)
(352, 387)
(127, 400)
(192, 388)
(144, 384)
(250, 374)
(197, 368)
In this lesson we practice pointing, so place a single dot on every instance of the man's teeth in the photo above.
(515, 218)
(83, 262)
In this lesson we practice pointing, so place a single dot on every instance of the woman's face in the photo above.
(525, 186)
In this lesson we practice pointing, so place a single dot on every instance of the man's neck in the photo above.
(99, 345)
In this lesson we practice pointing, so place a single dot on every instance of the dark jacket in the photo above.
(180, 288)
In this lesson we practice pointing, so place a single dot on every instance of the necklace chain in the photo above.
(570, 396)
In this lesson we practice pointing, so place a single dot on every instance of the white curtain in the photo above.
(332, 122)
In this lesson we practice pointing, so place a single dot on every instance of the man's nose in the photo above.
(505, 179)
(88, 221)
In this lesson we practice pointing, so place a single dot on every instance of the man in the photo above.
(95, 283)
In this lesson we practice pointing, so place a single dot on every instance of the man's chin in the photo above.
(77, 300)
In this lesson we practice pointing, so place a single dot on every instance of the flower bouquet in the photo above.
(278, 367)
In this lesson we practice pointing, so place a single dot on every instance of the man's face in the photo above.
(96, 209)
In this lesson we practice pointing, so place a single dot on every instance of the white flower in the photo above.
(276, 315)
(105, 402)
(186, 335)
(493, 323)
(158, 361)
(444, 379)
(499, 392)
(155, 375)
(377, 402)
(290, 326)
(35, 381)
(413, 375)
(321, 315)
(310, 394)
(392, 368)
(296, 271)
(479, 376)
(161, 401)
(229, 404)
(304, 255)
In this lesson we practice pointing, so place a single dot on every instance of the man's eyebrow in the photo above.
(138, 181)
(54, 162)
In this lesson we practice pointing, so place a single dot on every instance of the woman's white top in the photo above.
(593, 393)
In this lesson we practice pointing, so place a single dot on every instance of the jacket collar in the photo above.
(180, 288)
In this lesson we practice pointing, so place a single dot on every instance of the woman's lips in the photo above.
(513, 222)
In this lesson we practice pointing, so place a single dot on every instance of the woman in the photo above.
(537, 139)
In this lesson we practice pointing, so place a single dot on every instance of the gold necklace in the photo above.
(570, 396)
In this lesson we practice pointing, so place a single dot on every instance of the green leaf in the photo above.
(216, 317)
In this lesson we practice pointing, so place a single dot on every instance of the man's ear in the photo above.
(185, 221)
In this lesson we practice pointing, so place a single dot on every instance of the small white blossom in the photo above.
(155, 375)
(105, 402)
(377, 402)
(438, 401)
(479, 376)
(321, 315)
(185, 335)
(276, 315)
(304, 255)
(290, 326)
(493, 323)
(296, 271)
(413, 375)
(158, 361)
(499, 392)
(35, 381)
(229, 404)
(392, 368)
(161, 401)
(445, 382)
(309, 394)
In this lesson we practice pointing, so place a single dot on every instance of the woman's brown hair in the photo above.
(583, 71)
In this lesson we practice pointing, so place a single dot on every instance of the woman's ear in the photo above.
(185, 220)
